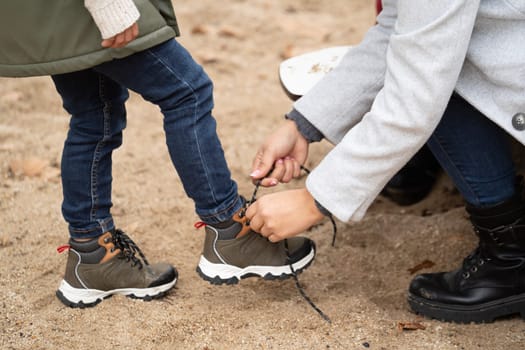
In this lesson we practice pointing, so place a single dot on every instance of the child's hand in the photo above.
(285, 151)
(283, 214)
(123, 38)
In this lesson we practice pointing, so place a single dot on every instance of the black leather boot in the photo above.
(491, 282)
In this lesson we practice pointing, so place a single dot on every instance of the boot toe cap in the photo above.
(168, 274)
(425, 286)
(299, 247)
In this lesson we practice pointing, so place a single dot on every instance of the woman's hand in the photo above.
(285, 151)
(283, 214)
(123, 38)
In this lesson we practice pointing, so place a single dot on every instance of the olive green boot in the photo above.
(233, 251)
(107, 265)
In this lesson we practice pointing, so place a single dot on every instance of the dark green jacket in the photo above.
(47, 37)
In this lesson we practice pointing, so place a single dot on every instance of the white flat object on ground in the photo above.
(299, 73)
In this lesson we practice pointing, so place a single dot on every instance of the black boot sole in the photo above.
(481, 313)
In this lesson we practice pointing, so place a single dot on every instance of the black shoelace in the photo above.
(473, 262)
(128, 248)
(294, 273)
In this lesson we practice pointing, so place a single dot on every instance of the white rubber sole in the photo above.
(80, 297)
(224, 273)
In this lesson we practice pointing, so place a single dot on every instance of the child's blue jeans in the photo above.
(165, 75)
(475, 153)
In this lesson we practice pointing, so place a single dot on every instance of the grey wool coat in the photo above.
(382, 103)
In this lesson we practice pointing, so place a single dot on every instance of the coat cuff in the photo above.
(309, 132)
(322, 209)
(112, 16)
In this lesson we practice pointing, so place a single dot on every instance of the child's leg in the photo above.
(103, 263)
(167, 76)
(98, 116)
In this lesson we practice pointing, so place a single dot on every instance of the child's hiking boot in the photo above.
(107, 265)
(233, 251)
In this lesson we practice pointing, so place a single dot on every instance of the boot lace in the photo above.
(472, 263)
(254, 198)
(128, 249)
(477, 258)
(300, 288)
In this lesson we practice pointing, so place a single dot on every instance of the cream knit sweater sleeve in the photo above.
(112, 16)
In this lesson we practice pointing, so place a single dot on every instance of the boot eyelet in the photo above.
(106, 240)
(466, 275)
(481, 262)
(474, 269)
(112, 250)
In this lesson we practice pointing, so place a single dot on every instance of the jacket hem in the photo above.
(87, 60)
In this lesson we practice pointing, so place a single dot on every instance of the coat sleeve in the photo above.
(112, 16)
(345, 94)
(423, 60)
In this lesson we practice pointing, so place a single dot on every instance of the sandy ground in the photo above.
(360, 283)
